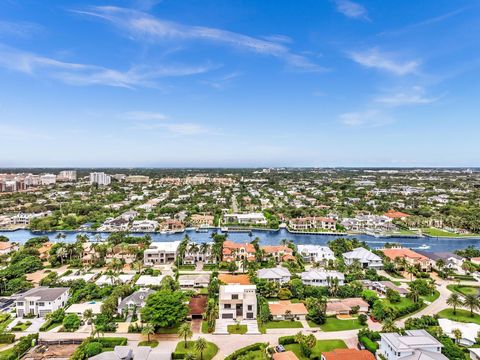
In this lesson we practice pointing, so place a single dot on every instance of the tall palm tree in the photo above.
(204, 247)
(454, 300)
(148, 329)
(471, 301)
(200, 346)
(88, 316)
(185, 332)
(410, 270)
(389, 325)
(414, 294)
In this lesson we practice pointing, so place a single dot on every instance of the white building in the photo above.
(100, 178)
(160, 253)
(469, 331)
(197, 253)
(112, 280)
(149, 280)
(67, 175)
(279, 275)
(144, 225)
(48, 179)
(416, 344)
(320, 277)
(41, 301)
(316, 253)
(311, 223)
(237, 302)
(193, 281)
(366, 258)
(250, 218)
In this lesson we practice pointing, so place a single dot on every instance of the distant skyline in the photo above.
(313, 83)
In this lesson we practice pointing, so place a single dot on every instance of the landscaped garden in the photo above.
(21, 326)
(192, 348)
(461, 316)
(464, 289)
(151, 343)
(320, 346)
(237, 329)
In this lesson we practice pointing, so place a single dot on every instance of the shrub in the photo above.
(111, 342)
(369, 344)
(71, 322)
(285, 340)
(243, 351)
(93, 348)
(7, 338)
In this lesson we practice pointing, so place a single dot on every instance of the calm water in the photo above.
(273, 238)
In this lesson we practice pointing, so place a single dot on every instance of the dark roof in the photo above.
(44, 293)
(198, 305)
(439, 255)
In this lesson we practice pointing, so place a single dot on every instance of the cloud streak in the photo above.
(351, 9)
(143, 26)
(150, 121)
(371, 118)
(86, 74)
(376, 59)
(412, 96)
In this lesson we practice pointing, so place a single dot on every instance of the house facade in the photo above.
(415, 344)
(366, 258)
(41, 301)
(238, 302)
(279, 275)
(160, 253)
(316, 253)
(320, 277)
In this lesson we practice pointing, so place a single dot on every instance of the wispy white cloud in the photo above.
(150, 121)
(85, 74)
(351, 9)
(385, 61)
(223, 81)
(19, 29)
(370, 118)
(144, 26)
(413, 96)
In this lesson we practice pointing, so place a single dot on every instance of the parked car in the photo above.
(279, 348)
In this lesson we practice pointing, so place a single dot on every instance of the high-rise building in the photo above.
(100, 178)
(48, 179)
(67, 175)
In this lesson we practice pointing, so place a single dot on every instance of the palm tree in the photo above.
(190, 356)
(440, 264)
(410, 270)
(61, 252)
(88, 316)
(457, 333)
(148, 329)
(454, 300)
(471, 301)
(185, 332)
(414, 294)
(200, 346)
(389, 325)
(137, 265)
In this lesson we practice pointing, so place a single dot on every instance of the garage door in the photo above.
(227, 316)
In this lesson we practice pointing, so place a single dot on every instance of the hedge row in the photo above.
(245, 350)
(369, 344)
(285, 340)
(7, 338)
(20, 348)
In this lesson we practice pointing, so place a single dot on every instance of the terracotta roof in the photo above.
(286, 355)
(233, 245)
(197, 305)
(337, 307)
(5, 245)
(403, 252)
(392, 214)
(282, 306)
(348, 354)
(277, 248)
(234, 279)
(288, 257)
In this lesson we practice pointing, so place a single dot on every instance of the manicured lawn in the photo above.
(151, 343)
(186, 267)
(50, 326)
(321, 346)
(208, 353)
(464, 289)
(21, 326)
(237, 329)
(403, 303)
(334, 324)
(440, 233)
(204, 327)
(461, 316)
(283, 324)
(431, 298)
(172, 330)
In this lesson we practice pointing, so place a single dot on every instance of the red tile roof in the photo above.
(234, 279)
(392, 214)
(282, 306)
(403, 252)
(348, 354)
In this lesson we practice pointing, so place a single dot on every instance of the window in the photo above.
(227, 306)
(19, 303)
(249, 307)
(41, 304)
(32, 303)
(234, 296)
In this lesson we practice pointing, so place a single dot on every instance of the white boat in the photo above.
(424, 247)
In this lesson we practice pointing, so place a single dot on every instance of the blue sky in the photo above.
(239, 83)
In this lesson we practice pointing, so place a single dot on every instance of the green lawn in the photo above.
(403, 303)
(464, 289)
(151, 343)
(204, 327)
(172, 330)
(21, 326)
(283, 324)
(440, 233)
(334, 324)
(50, 326)
(431, 298)
(186, 267)
(461, 316)
(237, 329)
(321, 346)
(208, 353)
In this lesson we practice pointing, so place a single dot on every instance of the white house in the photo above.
(144, 225)
(416, 344)
(469, 331)
(112, 280)
(160, 253)
(237, 301)
(79, 309)
(320, 277)
(41, 301)
(316, 253)
(149, 280)
(366, 258)
(279, 275)
(250, 218)
(135, 300)
(193, 281)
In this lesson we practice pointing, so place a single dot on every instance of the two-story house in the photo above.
(238, 302)
(320, 277)
(415, 344)
(41, 301)
(366, 258)
(160, 253)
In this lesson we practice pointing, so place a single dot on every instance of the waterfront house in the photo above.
(312, 223)
(366, 258)
(316, 253)
(279, 275)
(412, 257)
(233, 251)
(321, 277)
(160, 253)
(245, 219)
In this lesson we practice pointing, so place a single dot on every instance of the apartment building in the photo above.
(160, 253)
(67, 175)
(41, 301)
(48, 179)
(311, 223)
(100, 178)
(238, 302)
